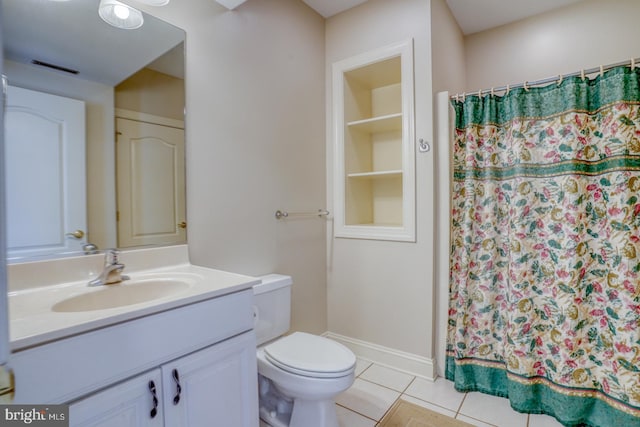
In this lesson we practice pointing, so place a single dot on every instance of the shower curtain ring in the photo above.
(582, 74)
(560, 77)
(480, 93)
(633, 64)
(601, 71)
(464, 96)
(508, 89)
(526, 87)
(492, 93)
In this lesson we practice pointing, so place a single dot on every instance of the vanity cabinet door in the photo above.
(216, 386)
(132, 403)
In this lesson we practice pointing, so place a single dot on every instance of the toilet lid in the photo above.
(310, 355)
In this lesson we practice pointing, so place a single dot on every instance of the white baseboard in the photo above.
(407, 362)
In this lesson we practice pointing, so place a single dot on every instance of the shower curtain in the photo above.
(545, 257)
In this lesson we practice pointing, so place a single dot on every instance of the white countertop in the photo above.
(34, 321)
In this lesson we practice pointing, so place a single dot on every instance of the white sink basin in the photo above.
(122, 294)
(51, 300)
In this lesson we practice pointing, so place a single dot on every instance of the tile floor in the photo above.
(376, 388)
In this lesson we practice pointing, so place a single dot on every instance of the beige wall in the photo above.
(255, 142)
(255, 137)
(584, 35)
(151, 92)
(448, 75)
(380, 292)
(447, 48)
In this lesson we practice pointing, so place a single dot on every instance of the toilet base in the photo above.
(271, 419)
(278, 410)
(275, 408)
(305, 414)
(313, 414)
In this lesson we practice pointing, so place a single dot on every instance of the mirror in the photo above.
(122, 192)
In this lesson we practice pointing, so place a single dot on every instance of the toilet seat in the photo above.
(311, 356)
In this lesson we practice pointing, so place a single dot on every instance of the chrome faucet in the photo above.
(112, 272)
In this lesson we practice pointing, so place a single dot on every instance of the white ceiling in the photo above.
(70, 34)
(329, 8)
(472, 15)
(326, 8)
(478, 15)
(37, 29)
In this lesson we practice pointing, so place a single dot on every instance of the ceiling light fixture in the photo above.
(120, 15)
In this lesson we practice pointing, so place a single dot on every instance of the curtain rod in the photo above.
(582, 73)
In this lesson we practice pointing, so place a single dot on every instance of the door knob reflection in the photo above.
(78, 234)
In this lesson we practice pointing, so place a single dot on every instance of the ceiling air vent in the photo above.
(54, 66)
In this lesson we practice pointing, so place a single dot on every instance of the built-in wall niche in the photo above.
(374, 193)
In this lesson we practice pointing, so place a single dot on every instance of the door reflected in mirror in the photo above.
(122, 184)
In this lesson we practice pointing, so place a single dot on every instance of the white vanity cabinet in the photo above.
(215, 385)
(128, 404)
(209, 387)
(104, 374)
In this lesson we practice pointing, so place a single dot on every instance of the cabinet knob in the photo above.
(182, 224)
(176, 378)
(423, 146)
(154, 396)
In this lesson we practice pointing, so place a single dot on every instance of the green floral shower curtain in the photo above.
(545, 259)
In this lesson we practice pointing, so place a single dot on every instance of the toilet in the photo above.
(299, 375)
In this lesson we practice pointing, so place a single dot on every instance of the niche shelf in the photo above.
(374, 162)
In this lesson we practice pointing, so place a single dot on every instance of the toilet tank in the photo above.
(271, 307)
